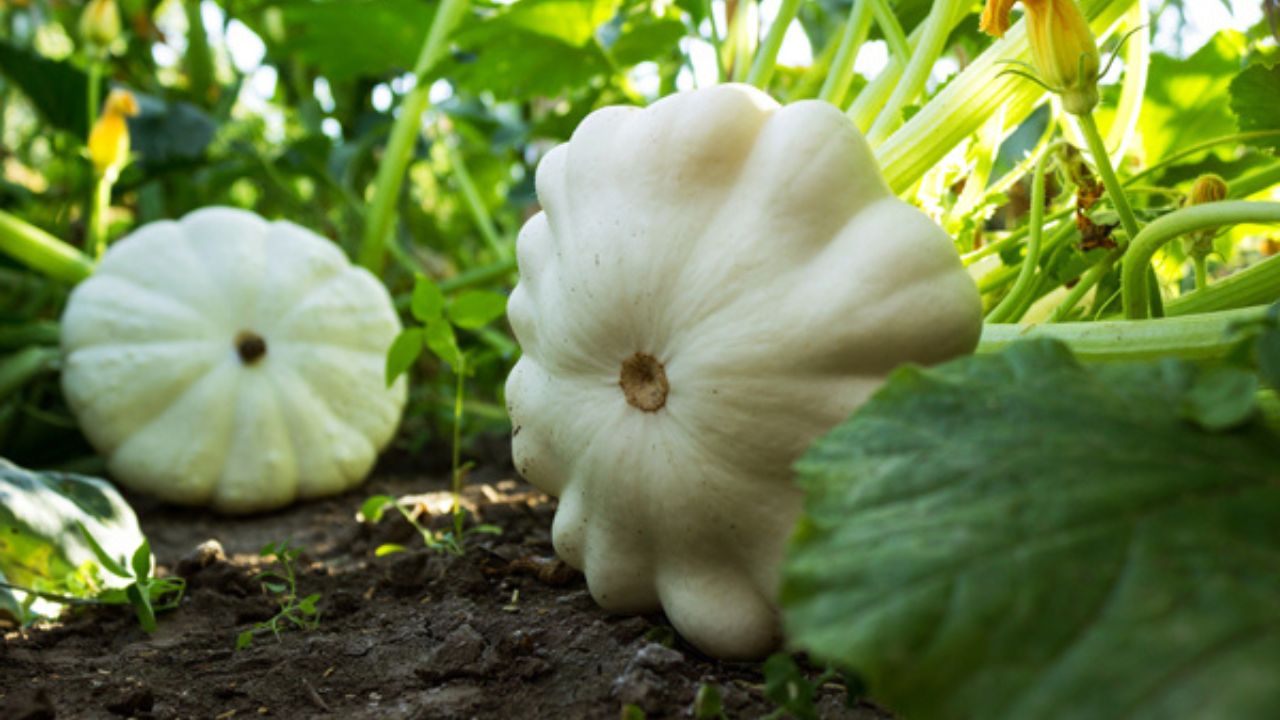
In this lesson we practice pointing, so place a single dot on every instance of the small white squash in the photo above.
(714, 282)
(228, 361)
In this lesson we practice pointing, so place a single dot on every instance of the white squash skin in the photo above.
(756, 252)
(152, 373)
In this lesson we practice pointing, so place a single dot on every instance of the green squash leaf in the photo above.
(1221, 398)
(442, 341)
(57, 89)
(572, 22)
(1255, 99)
(427, 303)
(56, 527)
(404, 352)
(476, 308)
(168, 133)
(375, 37)
(1018, 536)
(1184, 101)
(1269, 357)
(644, 36)
(534, 48)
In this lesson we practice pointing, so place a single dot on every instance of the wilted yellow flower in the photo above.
(100, 23)
(109, 138)
(1063, 47)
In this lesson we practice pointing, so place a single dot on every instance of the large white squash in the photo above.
(714, 282)
(230, 361)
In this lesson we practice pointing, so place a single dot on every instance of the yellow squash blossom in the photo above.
(109, 139)
(1063, 47)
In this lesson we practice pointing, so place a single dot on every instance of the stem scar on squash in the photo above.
(251, 346)
(644, 382)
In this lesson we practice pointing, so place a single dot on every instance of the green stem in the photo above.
(1102, 161)
(965, 103)
(1003, 276)
(479, 276)
(1137, 58)
(1255, 285)
(456, 455)
(816, 76)
(54, 597)
(717, 37)
(1086, 283)
(1173, 159)
(977, 183)
(889, 27)
(1012, 238)
(479, 212)
(42, 252)
(739, 40)
(404, 136)
(1202, 272)
(1137, 261)
(199, 57)
(18, 369)
(1254, 182)
(94, 90)
(98, 212)
(856, 27)
(767, 56)
(39, 332)
(1024, 284)
(1197, 337)
(936, 29)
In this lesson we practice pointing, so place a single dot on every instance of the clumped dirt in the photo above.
(505, 631)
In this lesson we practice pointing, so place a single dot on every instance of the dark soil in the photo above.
(505, 631)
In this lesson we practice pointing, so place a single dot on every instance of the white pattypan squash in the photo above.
(230, 361)
(714, 282)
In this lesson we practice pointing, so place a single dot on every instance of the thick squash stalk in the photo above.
(404, 135)
(41, 251)
(961, 107)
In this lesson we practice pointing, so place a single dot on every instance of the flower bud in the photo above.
(1206, 189)
(1063, 48)
(109, 138)
(100, 23)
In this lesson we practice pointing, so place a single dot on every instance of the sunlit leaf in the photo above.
(405, 350)
(344, 39)
(427, 303)
(573, 22)
(373, 509)
(1255, 99)
(644, 36)
(1185, 100)
(443, 343)
(517, 58)
(55, 525)
(476, 308)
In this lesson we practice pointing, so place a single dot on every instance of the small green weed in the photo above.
(299, 612)
(148, 595)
